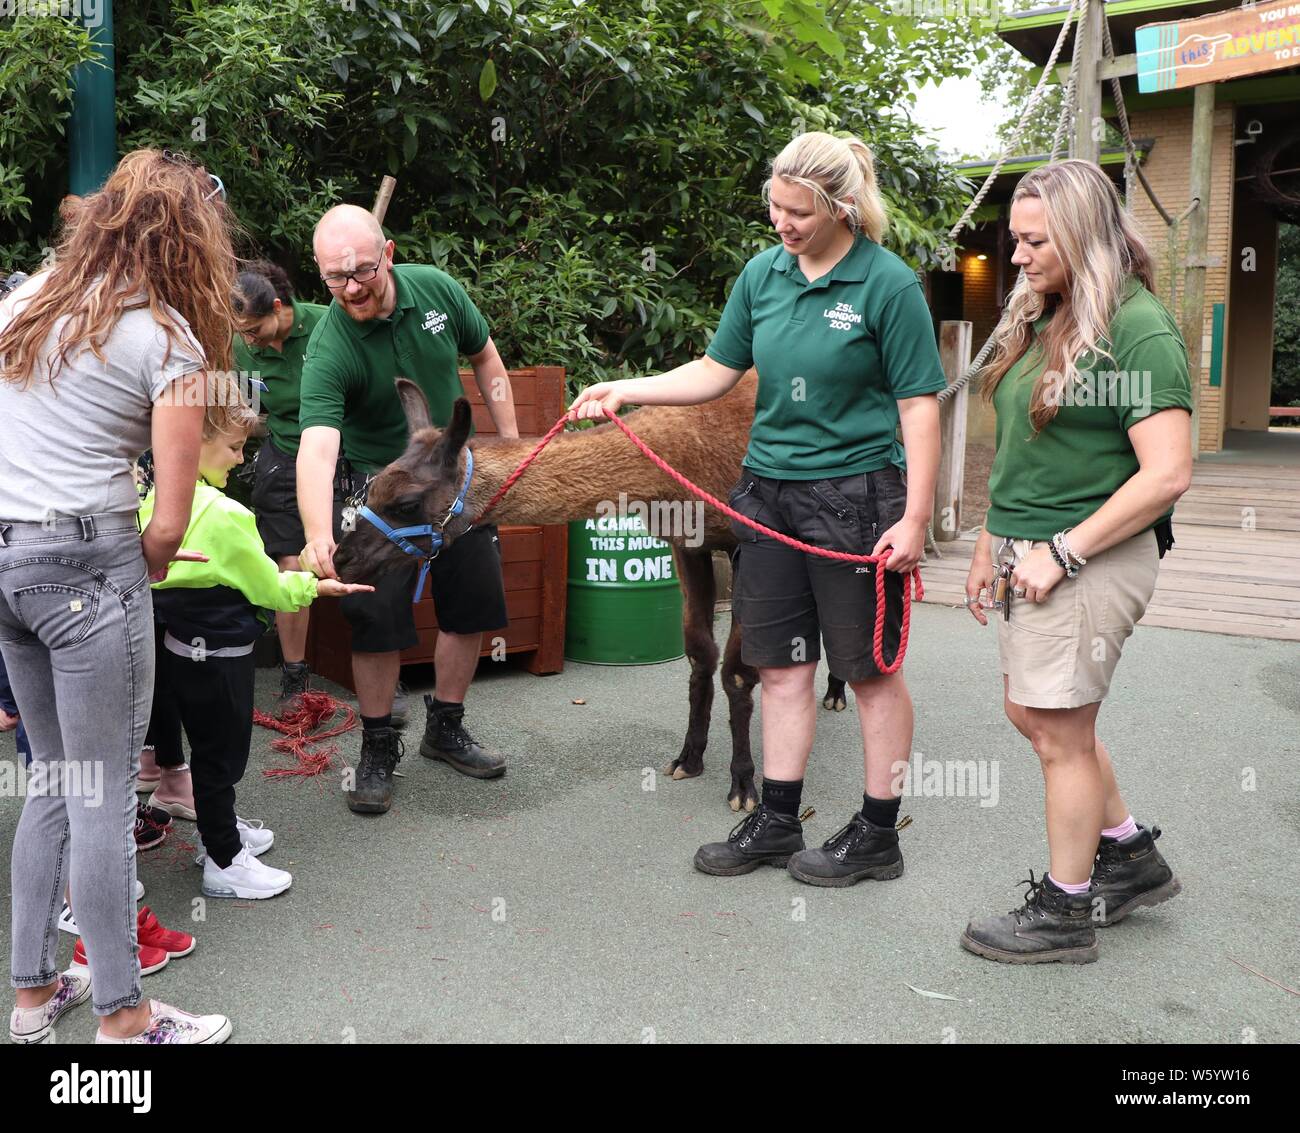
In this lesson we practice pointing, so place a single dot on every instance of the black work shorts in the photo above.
(788, 602)
(275, 502)
(469, 596)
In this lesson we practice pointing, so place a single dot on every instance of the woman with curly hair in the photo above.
(101, 356)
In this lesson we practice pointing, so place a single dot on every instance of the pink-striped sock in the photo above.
(1123, 832)
(1073, 890)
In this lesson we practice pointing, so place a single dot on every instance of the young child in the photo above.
(211, 614)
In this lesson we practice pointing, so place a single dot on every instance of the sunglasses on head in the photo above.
(177, 157)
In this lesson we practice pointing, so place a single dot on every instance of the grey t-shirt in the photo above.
(69, 448)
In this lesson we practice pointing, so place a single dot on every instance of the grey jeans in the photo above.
(76, 630)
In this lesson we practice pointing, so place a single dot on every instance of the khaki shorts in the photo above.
(1062, 653)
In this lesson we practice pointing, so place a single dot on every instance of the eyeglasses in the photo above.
(177, 157)
(337, 280)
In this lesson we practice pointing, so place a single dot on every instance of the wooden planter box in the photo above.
(534, 562)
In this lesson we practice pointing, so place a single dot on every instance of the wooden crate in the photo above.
(534, 562)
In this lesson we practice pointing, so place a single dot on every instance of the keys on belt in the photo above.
(1005, 561)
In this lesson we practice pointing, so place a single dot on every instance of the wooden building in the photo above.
(1254, 148)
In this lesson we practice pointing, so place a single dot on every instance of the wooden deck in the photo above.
(1235, 566)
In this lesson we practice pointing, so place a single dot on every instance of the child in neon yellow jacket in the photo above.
(210, 615)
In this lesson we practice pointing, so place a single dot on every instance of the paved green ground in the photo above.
(560, 904)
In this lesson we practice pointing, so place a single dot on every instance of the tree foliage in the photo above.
(591, 171)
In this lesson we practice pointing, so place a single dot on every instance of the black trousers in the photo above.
(212, 700)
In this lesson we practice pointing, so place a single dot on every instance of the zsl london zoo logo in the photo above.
(843, 317)
(434, 321)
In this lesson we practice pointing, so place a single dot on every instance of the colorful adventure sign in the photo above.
(1222, 45)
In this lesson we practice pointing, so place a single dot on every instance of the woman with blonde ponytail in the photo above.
(101, 356)
(1089, 382)
(842, 340)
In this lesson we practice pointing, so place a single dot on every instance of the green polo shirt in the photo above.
(834, 357)
(348, 374)
(280, 372)
(1042, 483)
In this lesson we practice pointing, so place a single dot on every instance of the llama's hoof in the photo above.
(742, 796)
(835, 700)
(678, 770)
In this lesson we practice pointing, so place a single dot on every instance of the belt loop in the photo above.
(87, 527)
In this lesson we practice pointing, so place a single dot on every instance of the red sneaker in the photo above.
(151, 959)
(153, 935)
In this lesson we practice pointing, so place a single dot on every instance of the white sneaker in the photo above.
(251, 833)
(245, 878)
(36, 1024)
(170, 1026)
(68, 923)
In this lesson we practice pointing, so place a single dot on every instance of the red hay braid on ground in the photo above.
(312, 711)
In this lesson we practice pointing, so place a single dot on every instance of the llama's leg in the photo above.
(739, 679)
(834, 700)
(695, 572)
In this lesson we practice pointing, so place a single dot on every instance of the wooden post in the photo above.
(955, 354)
(385, 194)
(1087, 144)
(1198, 234)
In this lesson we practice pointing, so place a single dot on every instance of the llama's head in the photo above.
(418, 488)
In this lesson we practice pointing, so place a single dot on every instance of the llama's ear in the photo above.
(457, 432)
(414, 405)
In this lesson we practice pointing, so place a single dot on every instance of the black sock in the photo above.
(374, 723)
(442, 704)
(880, 812)
(782, 796)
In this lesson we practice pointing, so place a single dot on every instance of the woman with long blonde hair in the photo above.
(839, 332)
(1089, 382)
(101, 356)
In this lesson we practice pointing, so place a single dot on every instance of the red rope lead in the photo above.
(915, 592)
(313, 710)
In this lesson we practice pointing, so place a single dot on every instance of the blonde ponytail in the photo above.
(841, 175)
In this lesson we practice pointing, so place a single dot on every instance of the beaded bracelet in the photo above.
(1070, 572)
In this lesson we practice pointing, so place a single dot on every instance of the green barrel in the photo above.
(625, 607)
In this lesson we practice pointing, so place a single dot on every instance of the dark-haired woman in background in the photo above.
(274, 328)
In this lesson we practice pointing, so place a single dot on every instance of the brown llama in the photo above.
(573, 475)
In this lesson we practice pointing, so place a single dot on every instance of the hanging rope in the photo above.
(1071, 88)
(1131, 162)
(1034, 99)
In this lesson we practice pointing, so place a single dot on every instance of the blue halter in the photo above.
(402, 536)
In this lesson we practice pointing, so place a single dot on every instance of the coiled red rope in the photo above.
(914, 592)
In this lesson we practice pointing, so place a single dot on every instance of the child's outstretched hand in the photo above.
(7, 723)
(333, 588)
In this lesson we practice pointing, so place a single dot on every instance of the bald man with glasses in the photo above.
(387, 321)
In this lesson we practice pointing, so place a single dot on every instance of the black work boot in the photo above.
(1129, 875)
(295, 679)
(766, 836)
(1050, 926)
(858, 851)
(445, 738)
(372, 793)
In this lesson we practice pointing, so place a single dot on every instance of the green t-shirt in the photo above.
(834, 357)
(1043, 483)
(280, 372)
(350, 367)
